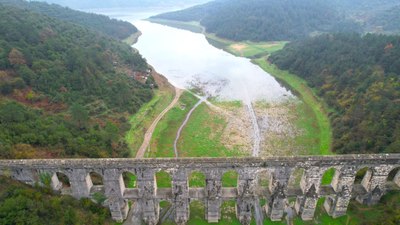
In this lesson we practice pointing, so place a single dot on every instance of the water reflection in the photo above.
(188, 61)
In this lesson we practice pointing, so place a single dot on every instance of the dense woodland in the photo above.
(95, 4)
(264, 20)
(112, 27)
(22, 204)
(66, 90)
(359, 77)
(276, 20)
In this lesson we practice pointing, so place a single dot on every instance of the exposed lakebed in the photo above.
(190, 62)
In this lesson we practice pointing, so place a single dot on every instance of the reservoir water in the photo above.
(189, 61)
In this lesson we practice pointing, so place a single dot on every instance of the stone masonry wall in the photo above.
(247, 194)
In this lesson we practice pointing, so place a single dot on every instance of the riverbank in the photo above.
(143, 119)
(131, 40)
(311, 117)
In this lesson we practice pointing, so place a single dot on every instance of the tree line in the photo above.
(112, 27)
(76, 87)
(21, 204)
(264, 20)
(359, 77)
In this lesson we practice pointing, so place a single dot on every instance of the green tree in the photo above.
(79, 115)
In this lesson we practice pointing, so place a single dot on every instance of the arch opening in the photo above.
(63, 179)
(197, 212)
(394, 176)
(129, 179)
(327, 177)
(295, 178)
(263, 179)
(228, 213)
(166, 213)
(360, 175)
(197, 179)
(163, 179)
(230, 178)
(96, 178)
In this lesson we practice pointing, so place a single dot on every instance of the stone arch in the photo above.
(328, 175)
(197, 178)
(394, 176)
(130, 179)
(228, 210)
(166, 212)
(360, 174)
(63, 179)
(198, 210)
(230, 178)
(263, 178)
(96, 178)
(163, 179)
(295, 177)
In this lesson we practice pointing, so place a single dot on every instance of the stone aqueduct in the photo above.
(247, 193)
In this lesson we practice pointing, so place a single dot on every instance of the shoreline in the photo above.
(258, 55)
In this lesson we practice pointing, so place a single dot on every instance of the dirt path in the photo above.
(178, 134)
(149, 132)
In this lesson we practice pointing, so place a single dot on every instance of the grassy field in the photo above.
(202, 136)
(143, 119)
(162, 143)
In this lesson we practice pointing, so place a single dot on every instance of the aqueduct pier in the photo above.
(382, 175)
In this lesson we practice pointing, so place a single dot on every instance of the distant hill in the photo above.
(89, 4)
(112, 27)
(359, 77)
(66, 90)
(264, 20)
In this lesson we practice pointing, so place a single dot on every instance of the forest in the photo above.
(275, 20)
(70, 89)
(359, 77)
(22, 204)
(92, 4)
(264, 20)
(112, 27)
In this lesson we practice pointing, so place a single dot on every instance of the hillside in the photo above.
(66, 91)
(264, 20)
(22, 204)
(112, 27)
(359, 76)
(384, 21)
(90, 4)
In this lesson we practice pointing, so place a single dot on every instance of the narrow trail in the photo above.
(178, 134)
(149, 132)
(256, 128)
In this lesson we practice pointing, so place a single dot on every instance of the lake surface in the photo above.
(189, 61)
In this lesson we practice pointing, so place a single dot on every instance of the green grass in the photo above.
(201, 136)
(228, 216)
(309, 98)
(197, 179)
(327, 177)
(229, 179)
(163, 179)
(308, 124)
(162, 142)
(143, 119)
